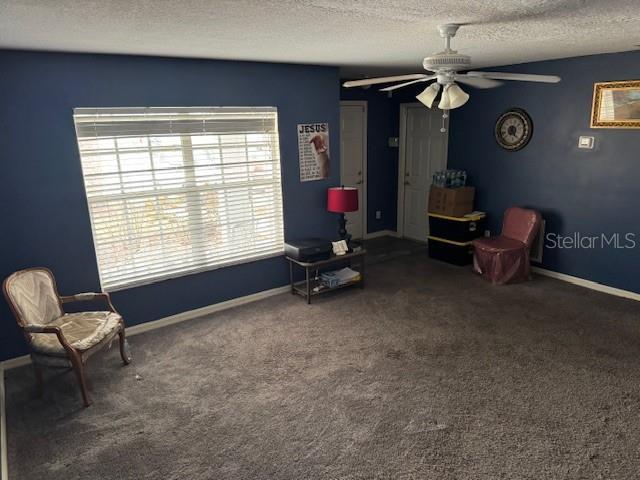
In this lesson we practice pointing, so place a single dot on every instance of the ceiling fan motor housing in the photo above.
(447, 61)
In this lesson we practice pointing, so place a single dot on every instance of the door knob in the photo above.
(407, 183)
(360, 172)
(359, 182)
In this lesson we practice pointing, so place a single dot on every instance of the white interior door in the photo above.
(425, 152)
(353, 138)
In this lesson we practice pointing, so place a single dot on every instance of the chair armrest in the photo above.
(50, 329)
(41, 329)
(85, 297)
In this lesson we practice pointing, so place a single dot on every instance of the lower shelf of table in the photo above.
(301, 287)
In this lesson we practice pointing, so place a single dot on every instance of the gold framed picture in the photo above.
(616, 105)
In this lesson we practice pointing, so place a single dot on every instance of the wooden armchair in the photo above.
(56, 338)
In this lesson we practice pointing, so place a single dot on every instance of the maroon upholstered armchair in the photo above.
(505, 258)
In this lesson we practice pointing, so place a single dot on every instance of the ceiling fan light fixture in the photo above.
(428, 95)
(444, 100)
(453, 97)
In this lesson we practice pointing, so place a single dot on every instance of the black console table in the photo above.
(311, 285)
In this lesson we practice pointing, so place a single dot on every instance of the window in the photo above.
(173, 191)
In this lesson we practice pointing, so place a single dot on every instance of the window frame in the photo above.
(189, 187)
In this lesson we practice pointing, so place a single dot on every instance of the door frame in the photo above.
(402, 161)
(365, 159)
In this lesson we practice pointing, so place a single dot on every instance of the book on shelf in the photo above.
(335, 278)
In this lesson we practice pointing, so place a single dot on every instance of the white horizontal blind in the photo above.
(173, 191)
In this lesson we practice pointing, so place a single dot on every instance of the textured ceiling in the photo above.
(360, 36)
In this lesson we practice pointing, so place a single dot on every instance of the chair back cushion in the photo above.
(33, 295)
(521, 224)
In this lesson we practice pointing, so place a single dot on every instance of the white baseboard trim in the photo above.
(4, 463)
(618, 292)
(208, 310)
(15, 362)
(381, 233)
(166, 321)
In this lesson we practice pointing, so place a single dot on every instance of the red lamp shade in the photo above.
(342, 199)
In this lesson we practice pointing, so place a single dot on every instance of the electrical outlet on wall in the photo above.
(378, 214)
(487, 233)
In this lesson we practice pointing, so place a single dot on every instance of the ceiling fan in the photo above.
(444, 67)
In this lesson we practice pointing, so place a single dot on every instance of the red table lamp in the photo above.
(341, 200)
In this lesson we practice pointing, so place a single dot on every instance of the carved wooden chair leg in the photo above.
(39, 380)
(78, 367)
(124, 347)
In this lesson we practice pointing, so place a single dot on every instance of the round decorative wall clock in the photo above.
(514, 129)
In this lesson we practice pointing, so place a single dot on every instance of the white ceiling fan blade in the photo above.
(477, 82)
(373, 81)
(400, 85)
(523, 77)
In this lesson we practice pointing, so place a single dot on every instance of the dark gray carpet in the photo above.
(387, 248)
(428, 373)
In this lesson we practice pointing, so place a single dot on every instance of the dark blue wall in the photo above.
(587, 191)
(42, 199)
(590, 192)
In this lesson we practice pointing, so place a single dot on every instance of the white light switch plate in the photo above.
(586, 142)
